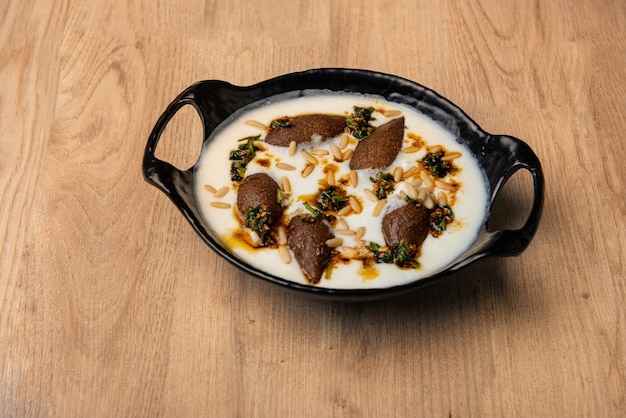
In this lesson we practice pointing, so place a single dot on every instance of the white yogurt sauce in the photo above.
(213, 168)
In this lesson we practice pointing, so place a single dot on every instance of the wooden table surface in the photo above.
(111, 305)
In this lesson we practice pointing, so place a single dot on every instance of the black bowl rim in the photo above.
(500, 156)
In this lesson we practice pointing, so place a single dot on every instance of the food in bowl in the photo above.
(340, 190)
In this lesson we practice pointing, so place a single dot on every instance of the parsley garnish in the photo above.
(331, 199)
(436, 166)
(314, 211)
(383, 184)
(259, 219)
(284, 122)
(241, 156)
(359, 122)
(440, 218)
(402, 254)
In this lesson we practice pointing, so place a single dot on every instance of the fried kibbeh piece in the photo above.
(380, 148)
(259, 189)
(409, 223)
(307, 238)
(301, 129)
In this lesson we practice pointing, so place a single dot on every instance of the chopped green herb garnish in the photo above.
(259, 220)
(284, 122)
(308, 218)
(241, 156)
(436, 165)
(314, 211)
(402, 254)
(380, 255)
(329, 268)
(359, 122)
(331, 199)
(412, 201)
(440, 218)
(383, 184)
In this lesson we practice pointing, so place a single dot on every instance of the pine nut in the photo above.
(210, 188)
(286, 184)
(285, 166)
(379, 207)
(397, 174)
(345, 140)
(428, 202)
(426, 178)
(354, 204)
(256, 124)
(451, 156)
(334, 242)
(389, 113)
(220, 205)
(411, 190)
(320, 152)
(222, 192)
(359, 233)
(371, 195)
(330, 178)
(292, 148)
(282, 235)
(354, 178)
(442, 199)
(283, 251)
(345, 211)
(410, 150)
(443, 185)
(309, 157)
(336, 152)
(408, 173)
(308, 169)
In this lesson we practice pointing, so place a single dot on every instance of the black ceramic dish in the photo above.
(499, 156)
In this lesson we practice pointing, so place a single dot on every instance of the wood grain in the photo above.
(110, 305)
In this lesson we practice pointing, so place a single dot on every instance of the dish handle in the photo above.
(512, 155)
(175, 183)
